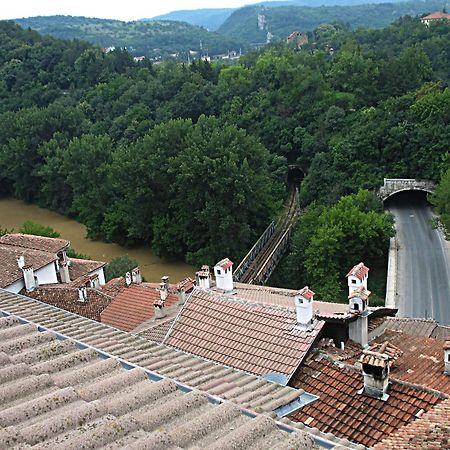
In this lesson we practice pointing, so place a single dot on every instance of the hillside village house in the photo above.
(434, 17)
(30, 261)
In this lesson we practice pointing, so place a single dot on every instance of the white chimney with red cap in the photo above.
(357, 277)
(304, 308)
(223, 272)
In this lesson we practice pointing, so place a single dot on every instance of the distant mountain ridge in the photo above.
(152, 39)
(281, 21)
(213, 18)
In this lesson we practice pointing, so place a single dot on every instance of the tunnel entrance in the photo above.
(407, 198)
(295, 175)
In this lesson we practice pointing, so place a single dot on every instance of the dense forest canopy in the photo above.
(192, 159)
(245, 26)
(155, 39)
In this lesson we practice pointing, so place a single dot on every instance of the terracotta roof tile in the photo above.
(10, 271)
(80, 267)
(348, 414)
(133, 306)
(231, 331)
(437, 15)
(430, 431)
(51, 245)
(359, 271)
(417, 327)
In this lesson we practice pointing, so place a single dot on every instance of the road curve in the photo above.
(423, 276)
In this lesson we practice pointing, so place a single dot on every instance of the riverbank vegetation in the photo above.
(193, 159)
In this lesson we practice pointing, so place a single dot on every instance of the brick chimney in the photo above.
(202, 278)
(375, 368)
(136, 276)
(447, 357)
(357, 277)
(223, 272)
(304, 308)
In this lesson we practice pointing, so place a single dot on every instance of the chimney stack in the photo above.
(359, 299)
(136, 276)
(447, 357)
(358, 330)
(82, 294)
(29, 279)
(128, 278)
(304, 308)
(21, 261)
(183, 287)
(64, 271)
(163, 290)
(203, 279)
(375, 368)
(223, 272)
(357, 277)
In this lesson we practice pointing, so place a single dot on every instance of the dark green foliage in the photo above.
(283, 20)
(328, 241)
(30, 227)
(441, 200)
(192, 159)
(71, 253)
(4, 231)
(119, 266)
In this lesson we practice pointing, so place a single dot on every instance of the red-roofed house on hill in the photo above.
(430, 18)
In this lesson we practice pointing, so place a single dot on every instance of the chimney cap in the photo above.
(374, 359)
(225, 263)
(360, 292)
(447, 345)
(306, 292)
(359, 271)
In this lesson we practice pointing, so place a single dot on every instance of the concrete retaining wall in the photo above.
(391, 283)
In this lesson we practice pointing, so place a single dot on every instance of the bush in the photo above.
(30, 227)
(119, 266)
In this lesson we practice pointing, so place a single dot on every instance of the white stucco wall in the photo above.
(46, 274)
(101, 275)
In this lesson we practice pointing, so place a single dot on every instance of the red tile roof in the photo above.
(422, 361)
(436, 16)
(132, 306)
(359, 271)
(344, 412)
(306, 292)
(52, 245)
(430, 431)
(10, 271)
(82, 267)
(255, 338)
(225, 263)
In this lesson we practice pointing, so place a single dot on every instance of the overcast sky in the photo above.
(123, 10)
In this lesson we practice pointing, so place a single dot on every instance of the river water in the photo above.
(14, 212)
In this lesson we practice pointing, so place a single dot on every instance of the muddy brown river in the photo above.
(14, 212)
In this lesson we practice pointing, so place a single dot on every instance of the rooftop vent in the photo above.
(375, 368)
(447, 357)
(223, 272)
(304, 308)
(136, 276)
(357, 277)
(202, 278)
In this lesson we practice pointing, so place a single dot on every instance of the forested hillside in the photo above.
(151, 39)
(280, 22)
(193, 159)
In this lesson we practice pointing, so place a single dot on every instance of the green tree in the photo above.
(441, 200)
(30, 227)
(119, 266)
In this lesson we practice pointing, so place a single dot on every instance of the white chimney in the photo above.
(28, 278)
(304, 308)
(128, 278)
(163, 291)
(160, 309)
(357, 277)
(136, 276)
(165, 280)
(203, 279)
(359, 299)
(223, 272)
(375, 368)
(21, 262)
(64, 272)
(447, 357)
(183, 287)
(82, 294)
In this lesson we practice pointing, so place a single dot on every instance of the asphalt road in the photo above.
(423, 277)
